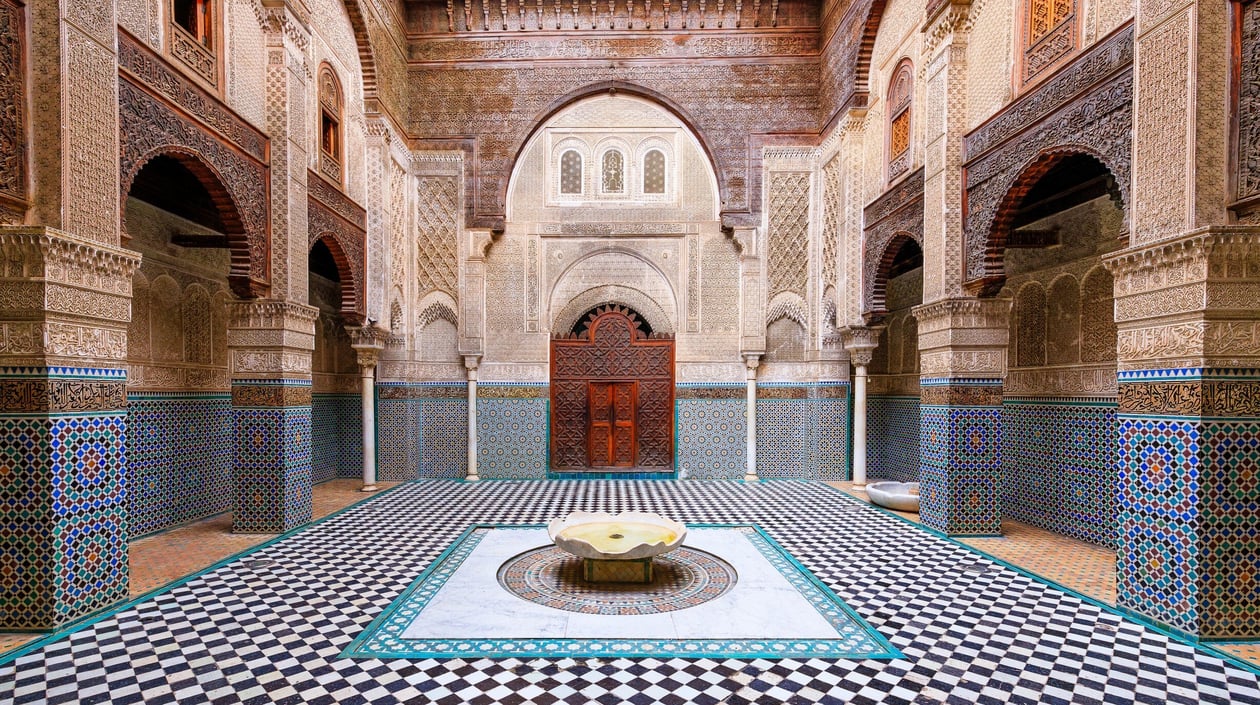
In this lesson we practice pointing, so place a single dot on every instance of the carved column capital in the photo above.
(861, 343)
(963, 337)
(66, 300)
(268, 338)
(1189, 302)
(367, 343)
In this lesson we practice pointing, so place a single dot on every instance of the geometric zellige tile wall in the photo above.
(892, 438)
(1059, 467)
(336, 436)
(179, 459)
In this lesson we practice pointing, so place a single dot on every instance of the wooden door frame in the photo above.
(574, 365)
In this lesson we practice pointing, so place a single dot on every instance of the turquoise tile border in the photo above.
(1146, 622)
(382, 639)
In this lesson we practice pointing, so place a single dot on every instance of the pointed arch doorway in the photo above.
(612, 395)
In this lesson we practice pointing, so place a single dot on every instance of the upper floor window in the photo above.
(196, 18)
(192, 37)
(571, 172)
(613, 179)
(330, 121)
(654, 172)
(900, 100)
(1049, 35)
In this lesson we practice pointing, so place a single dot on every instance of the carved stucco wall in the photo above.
(664, 255)
(177, 340)
(1063, 334)
(332, 41)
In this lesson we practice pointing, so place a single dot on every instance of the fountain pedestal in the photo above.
(616, 548)
(600, 570)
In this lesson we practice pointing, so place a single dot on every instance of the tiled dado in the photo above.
(1059, 466)
(63, 548)
(961, 430)
(512, 431)
(272, 475)
(336, 436)
(179, 458)
(711, 431)
(1190, 500)
(422, 430)
(892, 438)
(803, 431)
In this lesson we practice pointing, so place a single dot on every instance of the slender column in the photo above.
(861, 343)
(368, 342)
(471, 362)
(751, 361)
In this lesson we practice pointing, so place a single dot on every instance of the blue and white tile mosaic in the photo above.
(1059, 467)
(892, 438)
(512, 437)
(712, 438)
(180, 453)
(336, 436)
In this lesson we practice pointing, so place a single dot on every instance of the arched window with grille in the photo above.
(1049, 36)
(613, 178)
(330, 124)
(571, 172)
(654, 171)
(900, 101)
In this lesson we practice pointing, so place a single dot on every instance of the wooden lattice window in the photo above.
(330, 122)
(613, 180)
(192, 36)
(654, 172)
(900, 100)
(196, 17)
(571, 172)
(1049, 36)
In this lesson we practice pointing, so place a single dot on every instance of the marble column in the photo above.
(962, 344)
(1188, 356)
(750, 364)
(63, 417)
(270, 344)
(470, 363)
(368, 342)
(861, 344)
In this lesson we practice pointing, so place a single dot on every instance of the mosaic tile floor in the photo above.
(165, 557)
(971, 630)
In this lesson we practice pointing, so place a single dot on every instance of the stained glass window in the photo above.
(614, 172)
(654, 172)
(571, 172)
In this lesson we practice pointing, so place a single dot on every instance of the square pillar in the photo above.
(1189, 432)
(63, 427)
(271, 344)
(963, 347)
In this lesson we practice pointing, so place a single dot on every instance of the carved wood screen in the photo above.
(612, 395)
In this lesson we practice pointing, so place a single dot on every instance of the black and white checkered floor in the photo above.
(972, 631)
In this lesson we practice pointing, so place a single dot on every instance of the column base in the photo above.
(369, 488)
(751, 477)
(472, 478)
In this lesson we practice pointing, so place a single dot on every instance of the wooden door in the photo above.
(613, 413)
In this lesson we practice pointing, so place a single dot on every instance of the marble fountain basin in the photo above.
(616, 537)
(902, 496)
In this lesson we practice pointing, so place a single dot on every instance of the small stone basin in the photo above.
(626, 536)
(902, 496)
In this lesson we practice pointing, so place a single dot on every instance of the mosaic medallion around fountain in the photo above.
(685, 577)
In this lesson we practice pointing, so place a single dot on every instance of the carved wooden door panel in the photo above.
(612, 395)
(613, 409)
